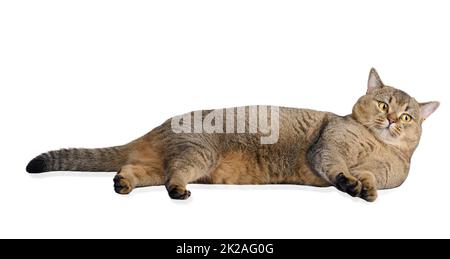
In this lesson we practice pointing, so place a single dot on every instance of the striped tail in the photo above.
(93, 160)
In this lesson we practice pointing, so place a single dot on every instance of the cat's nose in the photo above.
(391, 118)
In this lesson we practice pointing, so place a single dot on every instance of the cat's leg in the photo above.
(369, 184)
(133, 176)
(356, 182)
(184, 169)
(332, 167)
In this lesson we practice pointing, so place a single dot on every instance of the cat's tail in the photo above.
(80, 159)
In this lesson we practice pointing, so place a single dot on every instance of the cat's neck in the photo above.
(402, 151)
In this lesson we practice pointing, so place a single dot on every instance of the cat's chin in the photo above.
(385, 135)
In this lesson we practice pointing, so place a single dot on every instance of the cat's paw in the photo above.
(369, 192)
(178, 193)
(348, 184)
(122, 185)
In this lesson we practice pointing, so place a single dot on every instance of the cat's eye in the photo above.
(383, 106)
(406, 118)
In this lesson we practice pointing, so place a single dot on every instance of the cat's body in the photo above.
(353, 153)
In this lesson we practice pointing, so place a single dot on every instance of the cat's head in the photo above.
(392, 115)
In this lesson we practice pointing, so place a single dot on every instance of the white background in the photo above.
(101, 73)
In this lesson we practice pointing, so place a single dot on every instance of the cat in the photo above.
(360, 153)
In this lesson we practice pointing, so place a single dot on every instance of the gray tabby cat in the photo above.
(359, 154)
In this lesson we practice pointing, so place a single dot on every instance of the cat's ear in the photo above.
(426, 109)
(374, 81)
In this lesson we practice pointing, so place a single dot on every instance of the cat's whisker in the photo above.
(355, 153)
(370, 125)
(395, 131)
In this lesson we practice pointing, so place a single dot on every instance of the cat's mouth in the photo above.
(388, 129)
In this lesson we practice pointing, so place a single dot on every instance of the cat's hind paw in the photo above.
(178, 193)
(122, 185)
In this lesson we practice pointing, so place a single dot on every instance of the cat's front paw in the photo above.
(348, 184)
(369, 192)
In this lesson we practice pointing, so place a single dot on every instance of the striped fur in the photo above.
(95, 160)
(358, 154)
